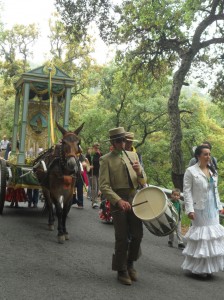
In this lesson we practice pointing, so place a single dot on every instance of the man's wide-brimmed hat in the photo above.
(117, 133)
(130, 137)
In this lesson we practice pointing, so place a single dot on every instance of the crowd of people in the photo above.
(122, 172)
(116, 177)
(14, 196)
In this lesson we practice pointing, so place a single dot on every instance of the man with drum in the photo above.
(120, 175)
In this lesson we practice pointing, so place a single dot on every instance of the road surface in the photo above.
(34, 266)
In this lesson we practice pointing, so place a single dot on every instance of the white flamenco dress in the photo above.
(204, 252)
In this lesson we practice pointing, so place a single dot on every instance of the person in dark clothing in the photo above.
(93, 173)
(33, 196)
(7, 150)
(78, 196)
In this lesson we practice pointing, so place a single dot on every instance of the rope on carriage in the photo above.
(43, 154)
(51, 107)
(57, 156)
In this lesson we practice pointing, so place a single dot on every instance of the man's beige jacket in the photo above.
(114, 170)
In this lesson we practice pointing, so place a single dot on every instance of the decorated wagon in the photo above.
(42, 97)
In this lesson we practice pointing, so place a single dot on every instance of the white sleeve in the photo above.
(188, 186)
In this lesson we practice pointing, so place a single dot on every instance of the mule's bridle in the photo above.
(64, 156)
(63, 141)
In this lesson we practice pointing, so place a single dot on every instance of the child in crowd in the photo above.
(175, 199)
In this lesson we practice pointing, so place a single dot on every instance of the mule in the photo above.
(56, 170)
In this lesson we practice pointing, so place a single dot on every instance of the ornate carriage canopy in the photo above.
(42, 95)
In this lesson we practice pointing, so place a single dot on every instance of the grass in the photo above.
(222, 221)
(185, 222)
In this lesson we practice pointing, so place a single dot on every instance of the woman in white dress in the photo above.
(204, 252)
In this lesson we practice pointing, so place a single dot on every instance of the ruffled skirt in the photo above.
(204, 252)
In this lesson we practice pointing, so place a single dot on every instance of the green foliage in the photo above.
(15, 49)
(6, 116)
(136, 106)
(142, 108)
(134, 90)
(156, 34)
(80, 13)
(185, 221)
(156, 157)
(73, 56)
(217, 91)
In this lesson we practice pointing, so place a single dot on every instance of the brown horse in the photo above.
(56, 170)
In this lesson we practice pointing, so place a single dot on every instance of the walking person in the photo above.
(204, 251)
(8, 150)
(119, 179)
(129, 136)
(79, 184)
(89, 153)
(33, 196)
(3, 145)
(93, 174)
(213, 160)
(175, 199)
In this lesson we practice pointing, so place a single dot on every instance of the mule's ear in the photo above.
(79, 129)
(63, 131)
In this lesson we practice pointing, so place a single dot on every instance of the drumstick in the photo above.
(131, 206)
(139, 203)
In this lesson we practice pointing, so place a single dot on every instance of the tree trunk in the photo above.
(178, 167)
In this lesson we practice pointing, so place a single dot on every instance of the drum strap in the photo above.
(130, 172)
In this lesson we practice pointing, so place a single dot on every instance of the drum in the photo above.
(157, 213)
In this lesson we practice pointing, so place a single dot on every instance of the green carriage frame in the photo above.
(42, 95)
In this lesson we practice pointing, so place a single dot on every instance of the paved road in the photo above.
(34, 266)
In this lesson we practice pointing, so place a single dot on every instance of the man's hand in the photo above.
(123, 205)
(137, 168)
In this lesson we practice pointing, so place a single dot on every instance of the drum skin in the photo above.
(155, 206)
(156, 211)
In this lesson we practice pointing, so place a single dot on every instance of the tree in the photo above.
(6, 116)
(217, 91)
(138, 107)
(158, 35)
(119, 101)
(85, 12)
(15, 44)
(72, 55)
(15, 49)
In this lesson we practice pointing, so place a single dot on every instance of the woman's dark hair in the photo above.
(207, 143)
(198, 152)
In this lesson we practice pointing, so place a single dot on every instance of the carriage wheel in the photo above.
(3, 174)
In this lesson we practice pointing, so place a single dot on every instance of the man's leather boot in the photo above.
(124, 278)
(131, 271)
